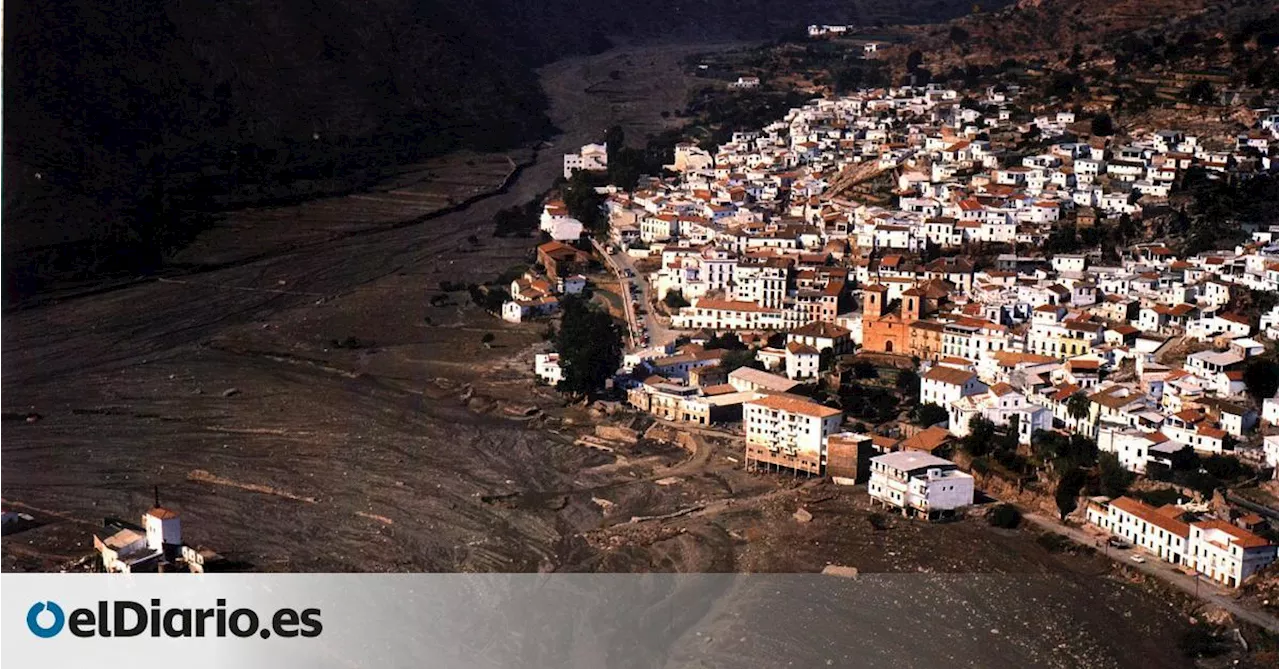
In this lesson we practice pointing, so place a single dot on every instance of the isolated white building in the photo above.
(546, 366)
(919, 484)
(592, 158)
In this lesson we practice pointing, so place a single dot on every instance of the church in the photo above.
(886, 324)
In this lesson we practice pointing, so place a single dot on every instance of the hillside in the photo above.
(126, 118)
(1144, 42)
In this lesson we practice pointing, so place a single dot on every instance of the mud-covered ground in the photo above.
(237, 376)
(306, 409)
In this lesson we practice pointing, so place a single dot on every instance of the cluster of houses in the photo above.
(850, 225)
(787, 431)
(153, 546)
(1227, 553)
(823, 31)
(538, 294)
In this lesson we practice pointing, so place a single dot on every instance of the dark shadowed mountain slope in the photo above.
(122, 117)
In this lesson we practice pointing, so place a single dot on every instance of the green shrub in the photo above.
(1006, 516)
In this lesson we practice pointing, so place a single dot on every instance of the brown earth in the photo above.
(133, 385)
(422, 449)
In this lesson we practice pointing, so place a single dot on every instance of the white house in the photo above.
(919, 484)
(1226, 553)
(802, 361)
(556, 221)
(546, 366)
(943, 385)
(1271, 453)
(592, 158)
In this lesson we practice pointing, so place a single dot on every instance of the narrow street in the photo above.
(644, 329)
(1151, 565)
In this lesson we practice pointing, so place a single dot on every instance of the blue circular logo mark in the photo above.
(33, 619)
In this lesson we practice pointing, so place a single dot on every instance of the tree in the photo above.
(737, 358)
(1078, 406)
(675, 299)
(1009, 440)
(914, 59)
(981, 438)
(864, 370)
(1006, 516)
(1113, 478)
(908, 383)
(1065, 452)
(589, 345)
(928, 414)
(1068, 491)
(1261, 379)
(487, 338)
(727, 341)
(584, 203)
(1101, 125)
(826, 358)
(1202, 640)
(1224, 467)
(614, 139)
(489, 298)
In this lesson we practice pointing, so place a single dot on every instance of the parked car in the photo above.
(1137, 558)
(1116, 543)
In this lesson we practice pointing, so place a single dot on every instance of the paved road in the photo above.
(657, 333)
(628, 308)
(1202, 588)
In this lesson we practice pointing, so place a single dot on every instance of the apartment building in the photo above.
(788, 432)
(919, 484)
(1226, 553)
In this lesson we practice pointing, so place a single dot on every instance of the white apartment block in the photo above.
(788, 432)
(919, 484)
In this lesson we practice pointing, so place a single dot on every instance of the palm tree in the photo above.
(1078, 406)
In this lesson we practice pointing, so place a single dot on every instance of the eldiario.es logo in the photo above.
(131, 619)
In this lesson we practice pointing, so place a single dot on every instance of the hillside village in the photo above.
(900, 234)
